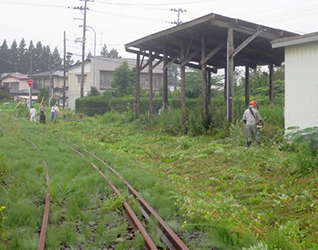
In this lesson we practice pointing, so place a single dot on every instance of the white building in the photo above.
(301, 80)
(104, 68)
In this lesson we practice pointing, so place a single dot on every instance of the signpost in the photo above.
(30, 84)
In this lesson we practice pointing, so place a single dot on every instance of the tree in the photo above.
(112, 54)
(4, 93)
(194, 83)
(22, 57)
(44, 92)
(13, 52)
(5, 62)
(94, 92)
(123, 80)
(56, 60)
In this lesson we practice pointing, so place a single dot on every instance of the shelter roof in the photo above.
(214, 29)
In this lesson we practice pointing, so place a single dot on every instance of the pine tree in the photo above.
(22, 57)
(13, 53)
(4, 58)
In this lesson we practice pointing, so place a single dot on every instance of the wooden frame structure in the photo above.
(210, 43)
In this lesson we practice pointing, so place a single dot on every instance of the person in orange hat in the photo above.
(252, 119)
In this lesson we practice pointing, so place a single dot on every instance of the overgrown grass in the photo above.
(199, 179)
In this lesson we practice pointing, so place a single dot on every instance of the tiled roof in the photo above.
(17, 75)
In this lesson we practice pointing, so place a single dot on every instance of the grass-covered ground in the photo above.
(263, 197)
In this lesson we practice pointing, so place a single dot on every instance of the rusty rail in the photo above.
(170, 238)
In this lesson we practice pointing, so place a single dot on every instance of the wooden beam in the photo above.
(150, 86)
(213, 52)
(137, 86)
(247, 86)
(246, 42)
(271, 84)
(183, 103)
(203, 74)
(171, 61)
(244, 29)
(229, 75)
(165, 79)
(188, 59)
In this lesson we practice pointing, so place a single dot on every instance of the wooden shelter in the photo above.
(209, 43)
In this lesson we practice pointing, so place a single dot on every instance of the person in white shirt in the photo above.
(32, 114)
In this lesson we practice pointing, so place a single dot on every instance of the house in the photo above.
(19, 88)
(15, 81)
(104, 68)
(52, 79)
(301, 81)
(17, 85)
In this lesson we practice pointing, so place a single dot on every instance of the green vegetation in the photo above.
(198, 179)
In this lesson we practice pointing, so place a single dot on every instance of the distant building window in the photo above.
(144, 83)
(105, 82)
(79, 79)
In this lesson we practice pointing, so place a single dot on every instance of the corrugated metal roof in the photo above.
(288, 41)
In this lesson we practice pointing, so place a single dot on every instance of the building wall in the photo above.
(104, 67)
(301, 85)
(74, 86)
(15, 84)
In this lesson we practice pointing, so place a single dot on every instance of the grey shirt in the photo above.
(250, 120)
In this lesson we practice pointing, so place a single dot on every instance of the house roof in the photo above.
(58, 73)
(17, 75)
(110, 64)
(294, 40)
(214, 29)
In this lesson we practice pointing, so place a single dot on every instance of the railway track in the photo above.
(168, 237)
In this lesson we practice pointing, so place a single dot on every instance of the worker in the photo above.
(32, 114)
(253, 121)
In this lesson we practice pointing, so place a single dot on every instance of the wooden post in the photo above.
(229, 75)
(225, 86)
(247, 86)
(271, 84)
(165, 79)
(138, 86)
(203, 74)
(183, 103)
(150, 83)
(209, 87)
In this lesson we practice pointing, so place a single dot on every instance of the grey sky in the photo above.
(118, 22)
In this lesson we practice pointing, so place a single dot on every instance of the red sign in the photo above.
(29, 82)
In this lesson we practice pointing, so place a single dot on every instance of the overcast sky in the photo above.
(118, 22)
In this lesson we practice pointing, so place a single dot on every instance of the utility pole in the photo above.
(179, 10)
(83, 44)
(64, 72)
(31, 70)
(83, 50)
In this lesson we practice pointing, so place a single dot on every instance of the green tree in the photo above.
(4, 93)
(5, 62)
(56, 60)
(94, 92)
(123, 80)
(13, 52)
(194, 83)
(23, 63)
(44, 92)
(112, 54)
